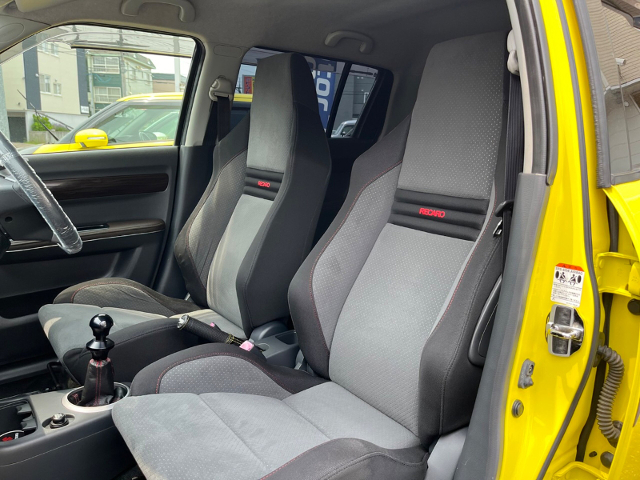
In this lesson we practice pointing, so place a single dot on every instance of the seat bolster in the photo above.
(217, 367)
(354, 459)
(448, 380)
(286, 235)
(124, 293)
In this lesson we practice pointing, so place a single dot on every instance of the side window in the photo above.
(357, 88)
(74, 88)
(618, 46)
(340, 102)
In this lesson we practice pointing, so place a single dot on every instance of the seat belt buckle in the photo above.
(506, 206)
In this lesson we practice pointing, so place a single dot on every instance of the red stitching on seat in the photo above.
(217, 354)
(313, 268)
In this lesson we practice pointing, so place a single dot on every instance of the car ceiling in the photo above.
(401, 29)
(403, 32)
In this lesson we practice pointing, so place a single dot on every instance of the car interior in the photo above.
(264, 296)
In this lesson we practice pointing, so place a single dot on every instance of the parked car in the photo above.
(345, 129)
(144, 120)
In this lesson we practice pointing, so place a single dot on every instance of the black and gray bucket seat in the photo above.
(240, 247)
(384, 306)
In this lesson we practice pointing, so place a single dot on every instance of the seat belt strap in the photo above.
(514, 157)
(221, 93)
(223, 114)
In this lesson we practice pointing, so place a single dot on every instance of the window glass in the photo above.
(618, 46)
(357, 89)
(68, 79)
(326, 74)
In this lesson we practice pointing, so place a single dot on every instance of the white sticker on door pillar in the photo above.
(567, 285)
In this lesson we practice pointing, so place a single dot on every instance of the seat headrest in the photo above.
(457, 122)
(283, 83)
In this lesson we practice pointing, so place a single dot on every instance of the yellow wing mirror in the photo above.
(92, 138)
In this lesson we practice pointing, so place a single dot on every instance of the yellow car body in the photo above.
(153, 100)
(540, 441)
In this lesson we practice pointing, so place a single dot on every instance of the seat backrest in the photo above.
(386, 303)
(255, 222)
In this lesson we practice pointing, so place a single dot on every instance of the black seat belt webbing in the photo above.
(219, 121)
(223, 113)
(514, 156)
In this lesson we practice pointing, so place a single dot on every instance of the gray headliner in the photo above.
(403, 32)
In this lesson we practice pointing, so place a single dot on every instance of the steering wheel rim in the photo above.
(34, 188)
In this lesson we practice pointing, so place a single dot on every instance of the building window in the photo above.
(57, 88)
(48, 47)
(45, 83)
(106, 64)
(106, 94)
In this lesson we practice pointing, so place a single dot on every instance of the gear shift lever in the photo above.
(99, 388)
(99, 347)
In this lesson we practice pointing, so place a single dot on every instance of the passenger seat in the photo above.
(240, 247)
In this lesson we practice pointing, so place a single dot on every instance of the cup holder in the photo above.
(70, 401)
(290, 337)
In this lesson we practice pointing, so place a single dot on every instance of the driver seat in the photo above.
(239, 249)
(385, 307)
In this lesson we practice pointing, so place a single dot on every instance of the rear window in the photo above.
(340, 100)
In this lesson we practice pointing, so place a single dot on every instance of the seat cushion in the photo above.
(124, 293)
(140, 338)
(233, 415)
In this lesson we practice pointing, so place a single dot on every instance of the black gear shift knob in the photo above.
(99, 347)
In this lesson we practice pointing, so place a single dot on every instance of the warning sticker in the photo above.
(567, 284)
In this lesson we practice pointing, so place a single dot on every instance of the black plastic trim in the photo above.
(338, 94)
(482, 333)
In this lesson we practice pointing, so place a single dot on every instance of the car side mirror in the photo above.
(91, 138)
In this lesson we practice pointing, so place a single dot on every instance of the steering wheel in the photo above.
(34, 188)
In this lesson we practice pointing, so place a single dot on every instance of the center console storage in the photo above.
(61, 440)
(281, 348)
(16, 420)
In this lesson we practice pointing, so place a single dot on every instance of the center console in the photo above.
(67, 434)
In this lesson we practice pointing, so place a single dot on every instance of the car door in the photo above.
(119, 193)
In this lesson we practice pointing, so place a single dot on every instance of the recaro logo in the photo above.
(431, 213)
(263, 184)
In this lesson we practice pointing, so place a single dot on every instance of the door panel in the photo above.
(120, 201)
